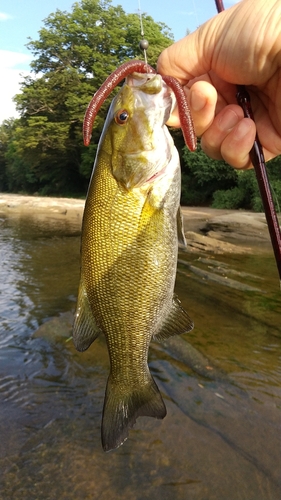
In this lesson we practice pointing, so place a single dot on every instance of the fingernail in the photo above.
(197, 101)
(228, 120)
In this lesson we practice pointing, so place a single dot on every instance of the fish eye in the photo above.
(121, 116)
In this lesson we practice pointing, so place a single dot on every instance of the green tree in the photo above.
(6, 134)
(274, 176)
(74, 54)
(246, 193)
(202, 176)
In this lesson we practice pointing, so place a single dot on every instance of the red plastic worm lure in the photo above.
(257, 159)
(243, 99)
(184, 112)
(116, 77)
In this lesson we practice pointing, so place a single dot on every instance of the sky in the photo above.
(21, 19)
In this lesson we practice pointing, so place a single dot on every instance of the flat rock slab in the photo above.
(196, 242)
(20, 203)
(244, 226)
(207, 229)
(54, 210)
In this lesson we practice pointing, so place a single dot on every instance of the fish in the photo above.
(129, 246)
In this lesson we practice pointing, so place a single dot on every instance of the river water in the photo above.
(221, 438)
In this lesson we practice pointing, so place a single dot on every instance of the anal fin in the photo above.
(85, 329)
(176, 323)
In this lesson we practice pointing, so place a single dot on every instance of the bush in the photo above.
(190, 194)
(202, 176)
(230, 199)
(206, 181)
(276, 196)
(246, 194)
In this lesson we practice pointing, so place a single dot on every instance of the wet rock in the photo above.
(222, 280)
(239, 228)
(60, 328)
(244, 226)
(218, 273)
(56, 328)
(201, 243)
(187, 354)
(59, 211)
(30, 203)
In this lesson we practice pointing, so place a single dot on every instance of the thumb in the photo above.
(234, 44)
(185, 59)
(212, 47)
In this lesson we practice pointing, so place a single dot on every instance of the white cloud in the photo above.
(11, 76)
(9, 59)
(4, 16)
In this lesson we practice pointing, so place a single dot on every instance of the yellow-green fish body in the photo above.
(129, 251)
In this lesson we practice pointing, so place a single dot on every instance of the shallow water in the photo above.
(221, 437)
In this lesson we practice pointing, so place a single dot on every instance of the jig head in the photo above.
(243, 99)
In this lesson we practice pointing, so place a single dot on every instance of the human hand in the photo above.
(242, 45)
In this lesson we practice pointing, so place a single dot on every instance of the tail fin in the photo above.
(122, 406)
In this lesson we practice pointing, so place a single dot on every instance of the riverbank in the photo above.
(59, 211)
(206, 229)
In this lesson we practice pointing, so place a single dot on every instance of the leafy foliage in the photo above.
(246, 193)
(6, 133)
(74, 54)
(202, 176)
(206, 181)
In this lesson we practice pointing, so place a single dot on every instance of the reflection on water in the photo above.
(220, 439)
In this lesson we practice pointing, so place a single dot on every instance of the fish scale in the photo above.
(129, 252)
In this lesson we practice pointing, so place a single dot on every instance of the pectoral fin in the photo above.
(85, 329)
(181, 236)
(177, 322)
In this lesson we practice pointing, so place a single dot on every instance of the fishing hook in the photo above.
(243, 99)
(258, 161)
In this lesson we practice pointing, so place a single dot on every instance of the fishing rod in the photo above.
(243, 99)
(258, 161)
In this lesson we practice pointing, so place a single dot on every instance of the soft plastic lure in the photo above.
(243, 99)
(116, 77)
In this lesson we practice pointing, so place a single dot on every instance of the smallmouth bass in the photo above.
(129, 247)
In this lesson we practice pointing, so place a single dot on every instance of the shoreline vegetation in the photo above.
(207, 229)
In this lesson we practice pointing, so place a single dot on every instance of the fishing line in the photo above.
(143, 43)
(195, 12)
